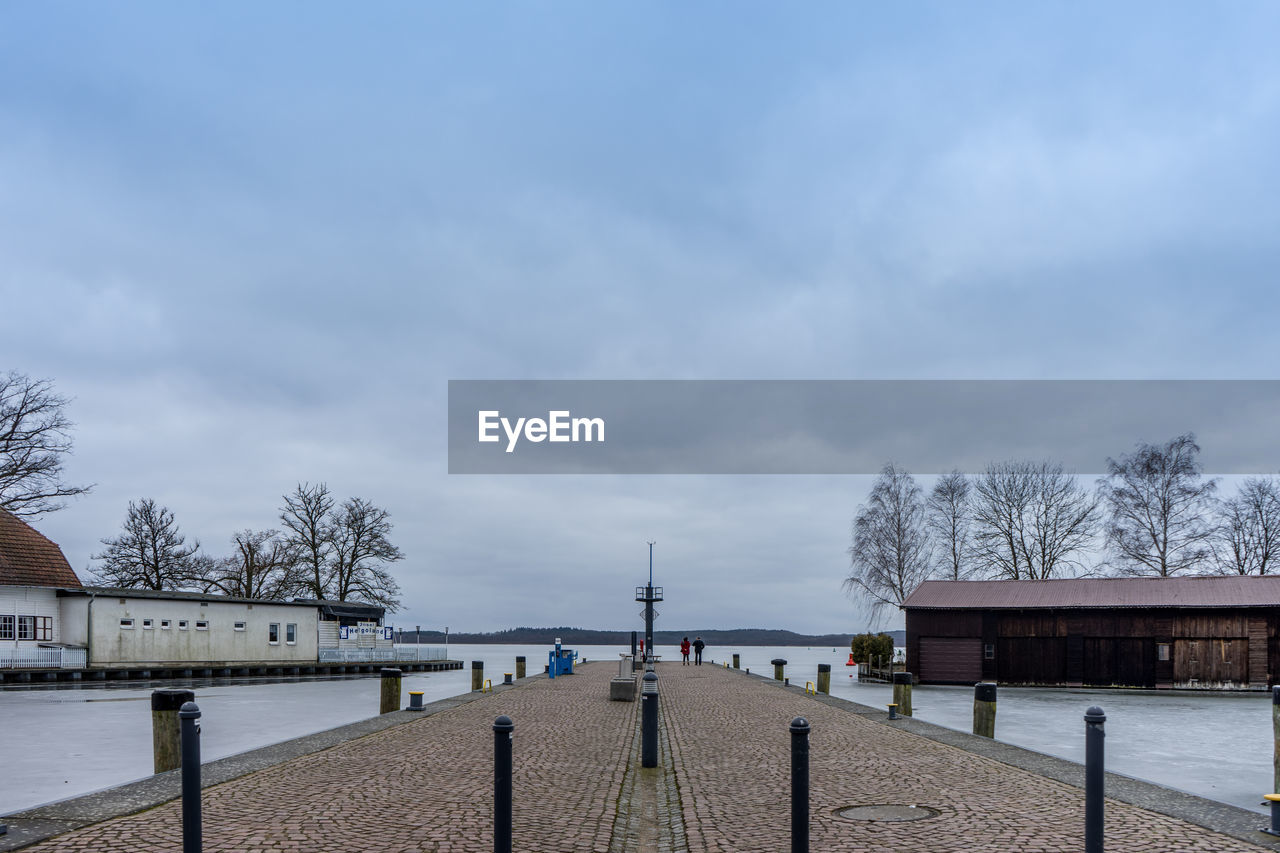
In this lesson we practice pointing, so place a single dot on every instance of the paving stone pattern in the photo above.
(731, 741)
(427, 785)
(421, 786)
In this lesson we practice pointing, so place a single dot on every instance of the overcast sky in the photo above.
(254, 242)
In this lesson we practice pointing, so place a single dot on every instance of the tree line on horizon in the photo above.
(323, 549)
(1154, 513)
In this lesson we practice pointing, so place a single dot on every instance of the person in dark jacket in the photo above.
(698, 646)
(684, 651)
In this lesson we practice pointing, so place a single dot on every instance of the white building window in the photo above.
(182, 624)
(6, 627)
(273, 633)
(240, 626)
(147, 624)
(165, 624)
(202, 624)
(291, 634)
(126, 624)
(26, 627)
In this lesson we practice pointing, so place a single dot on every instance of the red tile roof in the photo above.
(29, 559)
(1218, 591)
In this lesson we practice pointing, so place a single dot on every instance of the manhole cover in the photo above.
(887, 812)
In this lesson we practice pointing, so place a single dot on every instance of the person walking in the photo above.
(698, 646)
(684, 651)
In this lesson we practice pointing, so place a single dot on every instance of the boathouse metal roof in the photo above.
(28, 558)
(176, 595)
(1066, 593)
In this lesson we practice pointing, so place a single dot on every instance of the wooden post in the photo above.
(520, 666)
(166, 733)
(477, 675)
(778, 664)
(1275, 728)
(824, 678)
(984, 709)
(736, 660)
(902, 692)
(390, 691)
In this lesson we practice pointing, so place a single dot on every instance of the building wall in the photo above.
(168, 641)
(1209, 648)
(30, 601)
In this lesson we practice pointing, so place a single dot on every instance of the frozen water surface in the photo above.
(65, 741)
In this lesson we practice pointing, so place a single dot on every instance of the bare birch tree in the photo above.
(151, 553)
(949, 517)
(890, 555)
(1032, 521)
(1158, 509)
(35, 439)
(1246, 538)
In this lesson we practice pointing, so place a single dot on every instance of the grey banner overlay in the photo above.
(856, 426)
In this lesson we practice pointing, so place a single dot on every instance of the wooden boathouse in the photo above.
(1189, 632)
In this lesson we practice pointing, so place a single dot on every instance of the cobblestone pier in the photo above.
(722, 784)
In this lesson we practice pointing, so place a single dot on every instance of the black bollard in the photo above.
(1093, 778)
(649, 720)
(799, 785)
(192, 831)
(503, 734)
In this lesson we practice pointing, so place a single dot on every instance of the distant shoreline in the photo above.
(589, 637)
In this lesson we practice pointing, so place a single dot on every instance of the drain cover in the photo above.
(887, 812)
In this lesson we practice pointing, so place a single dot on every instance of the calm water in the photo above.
(59, 742)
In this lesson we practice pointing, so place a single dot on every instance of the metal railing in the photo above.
(374, 655)
(42, 659)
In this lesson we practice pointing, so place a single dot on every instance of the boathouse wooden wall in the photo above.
(1132, 647)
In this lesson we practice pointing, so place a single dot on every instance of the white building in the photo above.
(134, 627)
(32, 570)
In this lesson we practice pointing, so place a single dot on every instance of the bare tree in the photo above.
(306, 517)
(949, 516)
(150, 554)
(265, 565)
(1246, 538)
(361, 551)
(35, 439)
(1032, 521)
(1157, 504)
(890, 555)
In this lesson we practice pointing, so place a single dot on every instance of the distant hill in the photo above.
(590, 637)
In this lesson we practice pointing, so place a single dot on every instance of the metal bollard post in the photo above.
(1273, 800)
(192, 831)
(893, 710)
(902, 692)
(503, 734)
(390, 697)
(1094, 772)
(778, 664)
(984, 709)
(799, 785)
(415, 700)
(735, 660)
(520, 666)
(649, 720)
(506, 678)
(166, 739)
(477, 675)
(824, 678)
